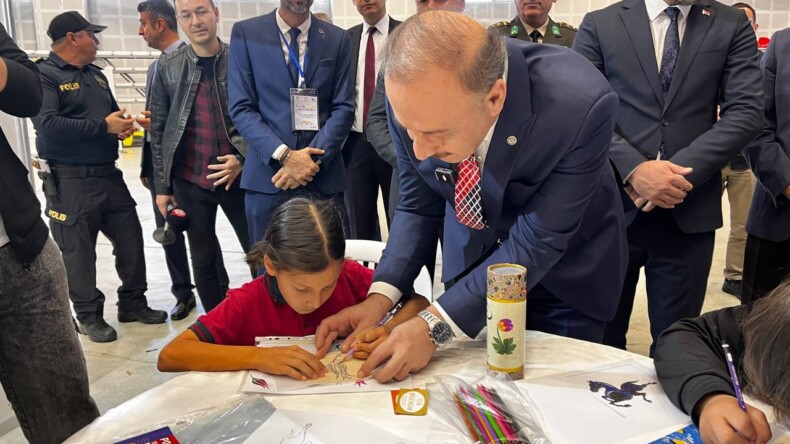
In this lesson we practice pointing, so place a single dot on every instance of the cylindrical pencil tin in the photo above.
(506, 314)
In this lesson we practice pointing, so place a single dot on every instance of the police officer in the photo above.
(533, 24)
(77, 135)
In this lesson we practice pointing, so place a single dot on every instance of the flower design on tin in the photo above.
(505, 325)
(504, 346)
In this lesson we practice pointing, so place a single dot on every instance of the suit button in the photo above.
(665, 123)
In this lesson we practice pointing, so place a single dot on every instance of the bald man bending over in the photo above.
(527, 126)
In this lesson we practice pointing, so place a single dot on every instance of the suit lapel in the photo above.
(355, 34)
(697, 27)
(273, 45)
(637, 24)
(508, 139)
(316, 37)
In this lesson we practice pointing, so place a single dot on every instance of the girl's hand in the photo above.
(721, 421)
(291, 361)
(369, 340)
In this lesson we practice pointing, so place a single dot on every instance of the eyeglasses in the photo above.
(200, 14)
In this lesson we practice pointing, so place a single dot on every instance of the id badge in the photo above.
(304, 109)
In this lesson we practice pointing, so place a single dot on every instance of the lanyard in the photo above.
(295, 59)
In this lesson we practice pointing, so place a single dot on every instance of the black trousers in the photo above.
(766, 264)
(366, 172)
(676, 266)
(201, 205)
(84, 207)
(175, 255)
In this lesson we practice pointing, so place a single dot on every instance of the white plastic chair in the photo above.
(368, 253)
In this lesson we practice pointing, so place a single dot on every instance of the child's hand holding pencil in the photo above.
(367, 342)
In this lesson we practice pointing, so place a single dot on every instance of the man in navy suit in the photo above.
(537, 120)
(767, 257)
(672, 64)
(270, 56)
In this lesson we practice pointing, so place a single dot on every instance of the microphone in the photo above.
(176, 221)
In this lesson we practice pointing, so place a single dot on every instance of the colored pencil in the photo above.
(501, 416)
(492, 419)
(512, 420)
(479, 416)
(467, 417)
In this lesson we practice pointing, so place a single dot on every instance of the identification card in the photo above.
(304, 109)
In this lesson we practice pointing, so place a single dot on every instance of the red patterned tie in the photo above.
(468, 204)
(369, 81)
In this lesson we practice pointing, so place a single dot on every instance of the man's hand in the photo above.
(290, 361)
(226, 172)
(721, 421)
(284, 181)
(117, 123)
(163, 200)
(300, 165)
(351, 322)
(144, 180)
(661, 182)
(123, 135)
(144, 121)
(408, 348)
(787, 192)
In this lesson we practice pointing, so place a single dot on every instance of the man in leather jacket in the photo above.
(197, 152)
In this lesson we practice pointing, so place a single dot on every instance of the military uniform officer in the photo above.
(533, 24)
(77, 134)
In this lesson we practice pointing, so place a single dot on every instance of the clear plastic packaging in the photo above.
(229, 423)
(490, 411)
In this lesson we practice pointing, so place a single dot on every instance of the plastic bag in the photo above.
(228, 423)
(491, 411)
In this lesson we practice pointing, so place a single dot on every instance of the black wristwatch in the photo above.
(439, 330)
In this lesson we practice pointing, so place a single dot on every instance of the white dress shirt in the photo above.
(390, 290)
(659, 23)
(542, 30)
(284, 28)
(3, 236)
(379, 40)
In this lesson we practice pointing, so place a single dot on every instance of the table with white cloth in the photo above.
(466, 359)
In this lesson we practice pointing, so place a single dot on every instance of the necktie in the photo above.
(369, 82)
(669, 58)
(294, 33)
(535, 35)
(468, 203)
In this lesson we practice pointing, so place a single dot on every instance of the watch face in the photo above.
(442, 333)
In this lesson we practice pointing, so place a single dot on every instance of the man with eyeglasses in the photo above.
(77, 131)
(197, 151)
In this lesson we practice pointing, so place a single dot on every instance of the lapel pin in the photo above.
(706, 12)
(321, 31)
(512, 140)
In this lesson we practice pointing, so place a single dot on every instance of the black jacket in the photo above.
(172, 97)
(690, 361)
(19, 207)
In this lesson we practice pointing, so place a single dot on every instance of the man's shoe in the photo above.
(98, 331)
(732, 287)
(182, 309)
(146, 315)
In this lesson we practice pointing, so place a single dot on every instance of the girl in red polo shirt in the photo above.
(307, 279)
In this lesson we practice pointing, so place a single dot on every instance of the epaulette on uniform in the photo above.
(567, 26)
(501, 24)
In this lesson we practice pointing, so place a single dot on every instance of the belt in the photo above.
(71, 172)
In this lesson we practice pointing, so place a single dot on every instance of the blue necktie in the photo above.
(669, 59)
(294, 33)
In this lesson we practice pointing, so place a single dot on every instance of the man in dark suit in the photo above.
(672, 64)
(366, 171)
(537, 120)
(767, 257)
(533, 24)
(271, 55)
